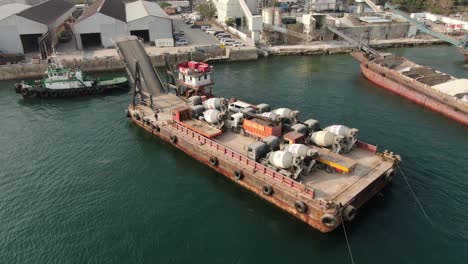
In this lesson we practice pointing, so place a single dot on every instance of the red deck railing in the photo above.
(241, 158)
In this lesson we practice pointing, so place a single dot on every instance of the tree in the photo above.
(410, 6)
(206, 10)
(164, 5)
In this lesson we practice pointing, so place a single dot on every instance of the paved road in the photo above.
(132, 50)
(195, 36)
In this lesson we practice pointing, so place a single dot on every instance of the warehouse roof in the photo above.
(453, 88)
(11, 9)
(117, 9)
(140, 9)
(47, 12)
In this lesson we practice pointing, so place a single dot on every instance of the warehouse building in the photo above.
(23, 27)
(106, 20)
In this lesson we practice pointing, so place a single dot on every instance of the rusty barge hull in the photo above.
(255, 176)
(412, 90)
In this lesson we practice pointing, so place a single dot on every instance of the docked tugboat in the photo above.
(60, 81)
(320, 175)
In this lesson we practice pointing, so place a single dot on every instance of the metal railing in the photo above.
(243, 159)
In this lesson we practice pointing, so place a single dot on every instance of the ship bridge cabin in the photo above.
(195, 75)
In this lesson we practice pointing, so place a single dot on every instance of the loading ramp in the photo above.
(131, 51)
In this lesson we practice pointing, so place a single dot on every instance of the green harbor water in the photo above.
(80, 184)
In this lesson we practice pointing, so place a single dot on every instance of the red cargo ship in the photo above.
(423, 85)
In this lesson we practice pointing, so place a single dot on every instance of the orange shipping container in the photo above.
(261, 128)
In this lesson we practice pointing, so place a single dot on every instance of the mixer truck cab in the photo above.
(237, 106)
(257, 150)
(236, 121)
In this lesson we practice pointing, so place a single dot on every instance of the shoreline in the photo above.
(107, 60)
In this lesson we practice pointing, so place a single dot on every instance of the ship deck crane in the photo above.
(461, 44)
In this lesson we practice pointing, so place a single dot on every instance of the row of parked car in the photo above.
(224, 37)
(179, 38)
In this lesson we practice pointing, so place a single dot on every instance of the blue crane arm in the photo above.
(459, 43)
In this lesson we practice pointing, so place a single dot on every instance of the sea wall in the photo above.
(113, 63)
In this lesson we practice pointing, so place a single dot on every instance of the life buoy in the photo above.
(24, 91)
(238, 175)
(173, 139)
(349, 213)
(301, 207)
(389, 175)
(214, 161)
(267, 190)
(329, 220)
(32, 93)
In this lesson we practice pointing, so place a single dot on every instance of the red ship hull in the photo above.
(414, 95)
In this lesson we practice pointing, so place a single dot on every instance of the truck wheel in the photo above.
(267, 190)
(329, 169)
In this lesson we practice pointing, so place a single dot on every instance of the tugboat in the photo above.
(60, 81)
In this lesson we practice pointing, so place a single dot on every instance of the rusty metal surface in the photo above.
(286, 191)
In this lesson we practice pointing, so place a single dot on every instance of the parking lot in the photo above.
(195, 36)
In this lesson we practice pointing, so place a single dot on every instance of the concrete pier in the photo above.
(108, 60)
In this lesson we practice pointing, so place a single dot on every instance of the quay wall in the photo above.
(112, 63)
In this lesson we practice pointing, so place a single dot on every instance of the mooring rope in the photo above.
(347, 240)
(414, 195)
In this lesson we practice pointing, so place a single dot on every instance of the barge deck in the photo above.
(323, 196)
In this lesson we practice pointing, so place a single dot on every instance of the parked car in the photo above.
(238, 44)
(181, 42)
(229, 42)
(218, 32)
(194, 26)
(224, 40)
(187, 21)
(211, 31)
(204, 28)
(220, 36)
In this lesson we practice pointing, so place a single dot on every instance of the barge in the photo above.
(423, 85)
(321, 176)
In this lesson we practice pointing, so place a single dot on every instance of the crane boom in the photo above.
(463, 44)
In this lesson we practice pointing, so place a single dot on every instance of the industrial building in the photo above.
(25, 28)
(106, 20)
